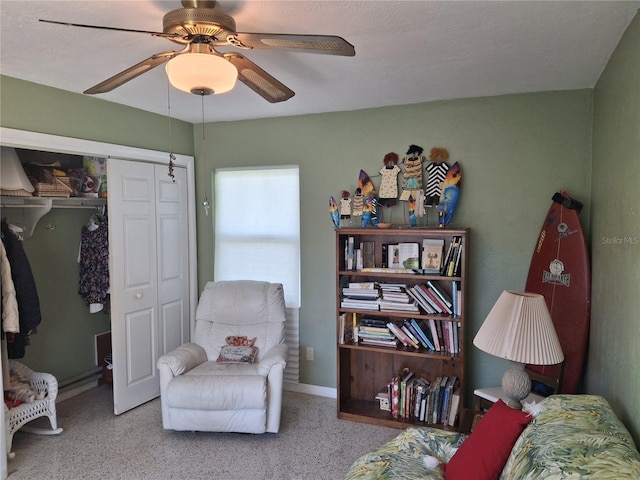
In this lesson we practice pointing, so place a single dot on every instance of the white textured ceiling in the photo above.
(406, 51)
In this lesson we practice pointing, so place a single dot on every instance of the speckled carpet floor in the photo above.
(312, 445)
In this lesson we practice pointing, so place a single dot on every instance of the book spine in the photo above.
(458, 264)
(423, 334)
(350, 252)
(412, 338)
(447, 257)
(441, 294)
(399, 334)
(457, 240)
(413, 291)
(395, 397)
(434, 334)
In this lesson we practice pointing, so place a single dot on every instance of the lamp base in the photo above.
(516, 385)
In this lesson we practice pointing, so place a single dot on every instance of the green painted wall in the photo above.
(614, 351)
(36, 108)
(64, 344)
(515, 152)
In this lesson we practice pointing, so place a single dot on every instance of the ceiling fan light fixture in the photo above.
(201, 73)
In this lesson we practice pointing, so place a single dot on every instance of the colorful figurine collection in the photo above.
(436, 185)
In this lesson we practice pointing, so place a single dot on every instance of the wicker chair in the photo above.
(16, 417)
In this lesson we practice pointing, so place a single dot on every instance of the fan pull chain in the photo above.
(172, 157)
(205, 203)
(204, 151)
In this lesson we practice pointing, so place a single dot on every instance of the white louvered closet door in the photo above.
(148, 243)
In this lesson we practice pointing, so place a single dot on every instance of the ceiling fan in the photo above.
(200, 27)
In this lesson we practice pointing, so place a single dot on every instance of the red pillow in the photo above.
(483, 454)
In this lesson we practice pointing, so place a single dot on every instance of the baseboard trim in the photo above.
(311, 389)
(66, 394)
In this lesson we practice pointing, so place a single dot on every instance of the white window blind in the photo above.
(257, 236)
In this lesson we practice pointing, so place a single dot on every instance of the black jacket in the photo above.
(26, 292)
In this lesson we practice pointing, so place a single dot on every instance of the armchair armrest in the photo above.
(275, 356)
(183, 358)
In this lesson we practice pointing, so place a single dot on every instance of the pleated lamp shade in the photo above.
(519, 328)
(12, 176)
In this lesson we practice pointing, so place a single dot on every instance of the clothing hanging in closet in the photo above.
(94, 264)
(26, 293)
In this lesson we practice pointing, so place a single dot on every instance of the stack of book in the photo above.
(376, 336)
(394, 297)
(362, 296)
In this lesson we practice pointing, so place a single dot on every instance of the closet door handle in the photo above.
(139, 295)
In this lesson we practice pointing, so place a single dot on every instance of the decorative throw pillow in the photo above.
(484, 453)
(240, 341)
(237, 354)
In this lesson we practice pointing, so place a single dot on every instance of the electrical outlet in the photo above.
(310, 354)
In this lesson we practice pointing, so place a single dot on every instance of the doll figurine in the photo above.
(436, 173)
(345, 207)
(358, 203)
(412, 172)
(389, 184)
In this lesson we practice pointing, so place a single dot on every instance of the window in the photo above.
(257, 226)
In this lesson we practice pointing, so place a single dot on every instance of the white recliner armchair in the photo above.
(198, 392)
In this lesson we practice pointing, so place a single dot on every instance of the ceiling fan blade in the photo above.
(132, 72)
(325, 44)
(117, 29)
(258, 80)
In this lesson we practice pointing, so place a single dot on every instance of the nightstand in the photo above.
(485, 397)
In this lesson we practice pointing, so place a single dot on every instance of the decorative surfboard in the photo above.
(450, 195)
(561, 272)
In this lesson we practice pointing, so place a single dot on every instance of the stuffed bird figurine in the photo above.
(333, 211)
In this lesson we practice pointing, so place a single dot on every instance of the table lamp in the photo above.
(519, 328)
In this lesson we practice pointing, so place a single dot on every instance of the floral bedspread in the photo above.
(576, 437)
(402, 458)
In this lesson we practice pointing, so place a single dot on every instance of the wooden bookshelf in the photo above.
(364, 370)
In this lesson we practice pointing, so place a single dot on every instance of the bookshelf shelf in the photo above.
(355, 409)
(364, 370)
